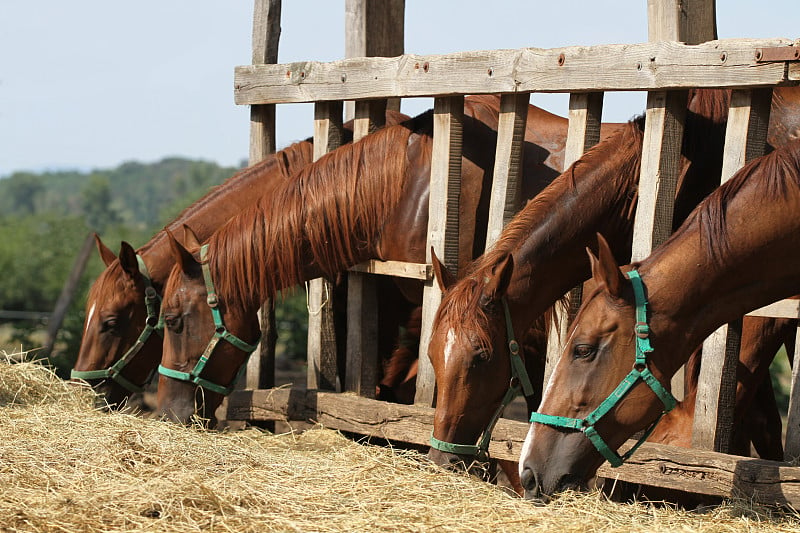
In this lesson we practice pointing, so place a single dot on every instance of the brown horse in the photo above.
(115, 308)
(738, 251)
(366, 200)
(538, 257)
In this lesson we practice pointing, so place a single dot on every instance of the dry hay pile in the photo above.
(65, 466)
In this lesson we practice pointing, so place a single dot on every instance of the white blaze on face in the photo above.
(89, 318)
(448, 347)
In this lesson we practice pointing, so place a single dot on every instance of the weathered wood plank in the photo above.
(779, 309)
(374, 28)
(615, 67)
(260, 371)
(745, 139)
(585, 116)
(661, 153)
(398, 269)
(506, 188)
(697, 471)
(443, 223)
(321, 351)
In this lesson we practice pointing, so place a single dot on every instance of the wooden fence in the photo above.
(665, 69)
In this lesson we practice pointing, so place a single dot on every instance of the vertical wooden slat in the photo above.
(506, 187)
(585, 116)
(266, 34)
(322, 361)
(361, 375)
(745, 139)
(791, 448)
(443, 229)
(374, 28)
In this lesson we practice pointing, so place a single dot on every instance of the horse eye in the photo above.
(583, 351)
(109, 324)
(173, 322)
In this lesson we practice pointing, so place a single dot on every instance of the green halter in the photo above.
(639, 371)
(152, 302)
(519, 383)
(220, 333)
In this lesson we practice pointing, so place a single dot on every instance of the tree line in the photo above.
(45, 217)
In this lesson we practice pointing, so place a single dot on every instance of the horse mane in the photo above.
(775, 174)
(462, 300)
(328, 215)
(284, 161)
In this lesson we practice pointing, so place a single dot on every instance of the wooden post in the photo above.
(791, 448)
(67, 294)
(506, 187)
(585, 117)
(443, 223)
(361, 374)
(745, 139)
(692, 22)
(374, 28)
(322, 360)
(266, 34)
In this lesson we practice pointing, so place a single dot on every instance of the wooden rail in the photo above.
(691, 470)
(660, 65)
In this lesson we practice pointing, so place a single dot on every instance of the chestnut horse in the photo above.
(118, 352)
(538, 258)
(362, 201)
(738, 251)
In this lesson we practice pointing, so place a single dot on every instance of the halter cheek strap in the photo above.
(220, 333)
(520, 383)
(640, 371)
(152, 302)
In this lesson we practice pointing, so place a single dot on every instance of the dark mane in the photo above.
(774, 174)
(333, 210)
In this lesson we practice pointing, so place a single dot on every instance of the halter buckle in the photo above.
(513, 346)
(642, 330)
(212, 301)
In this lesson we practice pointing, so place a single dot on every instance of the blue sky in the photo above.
(93, 83)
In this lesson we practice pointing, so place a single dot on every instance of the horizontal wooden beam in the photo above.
(698, 471)
(612, 67)
(779, 309)
(396, 268)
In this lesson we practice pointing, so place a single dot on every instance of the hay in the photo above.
(65, 466)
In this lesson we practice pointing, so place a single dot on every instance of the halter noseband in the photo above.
(152, 302)
(639, 371)
(220, 333)
(519, 383)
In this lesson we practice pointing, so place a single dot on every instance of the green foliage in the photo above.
(292, 325)
(46, 217)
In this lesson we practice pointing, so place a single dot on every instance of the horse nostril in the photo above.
(527, 479)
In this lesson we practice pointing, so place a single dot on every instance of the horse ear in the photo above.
(182, 256)
(605, 269)
(190, 238)
(106, 254)
(127, 259)
(497, 285)
(443, 276)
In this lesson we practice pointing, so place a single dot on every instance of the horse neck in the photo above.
(325, 219)
(548, 239)
(210, 212)
(697, 281)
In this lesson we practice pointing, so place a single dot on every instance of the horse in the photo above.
(538, 258)
(361, 201)
(119, 351)
(736, 252)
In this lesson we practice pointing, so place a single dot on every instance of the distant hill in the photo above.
(138, 196)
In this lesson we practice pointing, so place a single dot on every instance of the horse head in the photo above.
(120, 315)
(475, 370)
(197, 369)
(583, 426)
